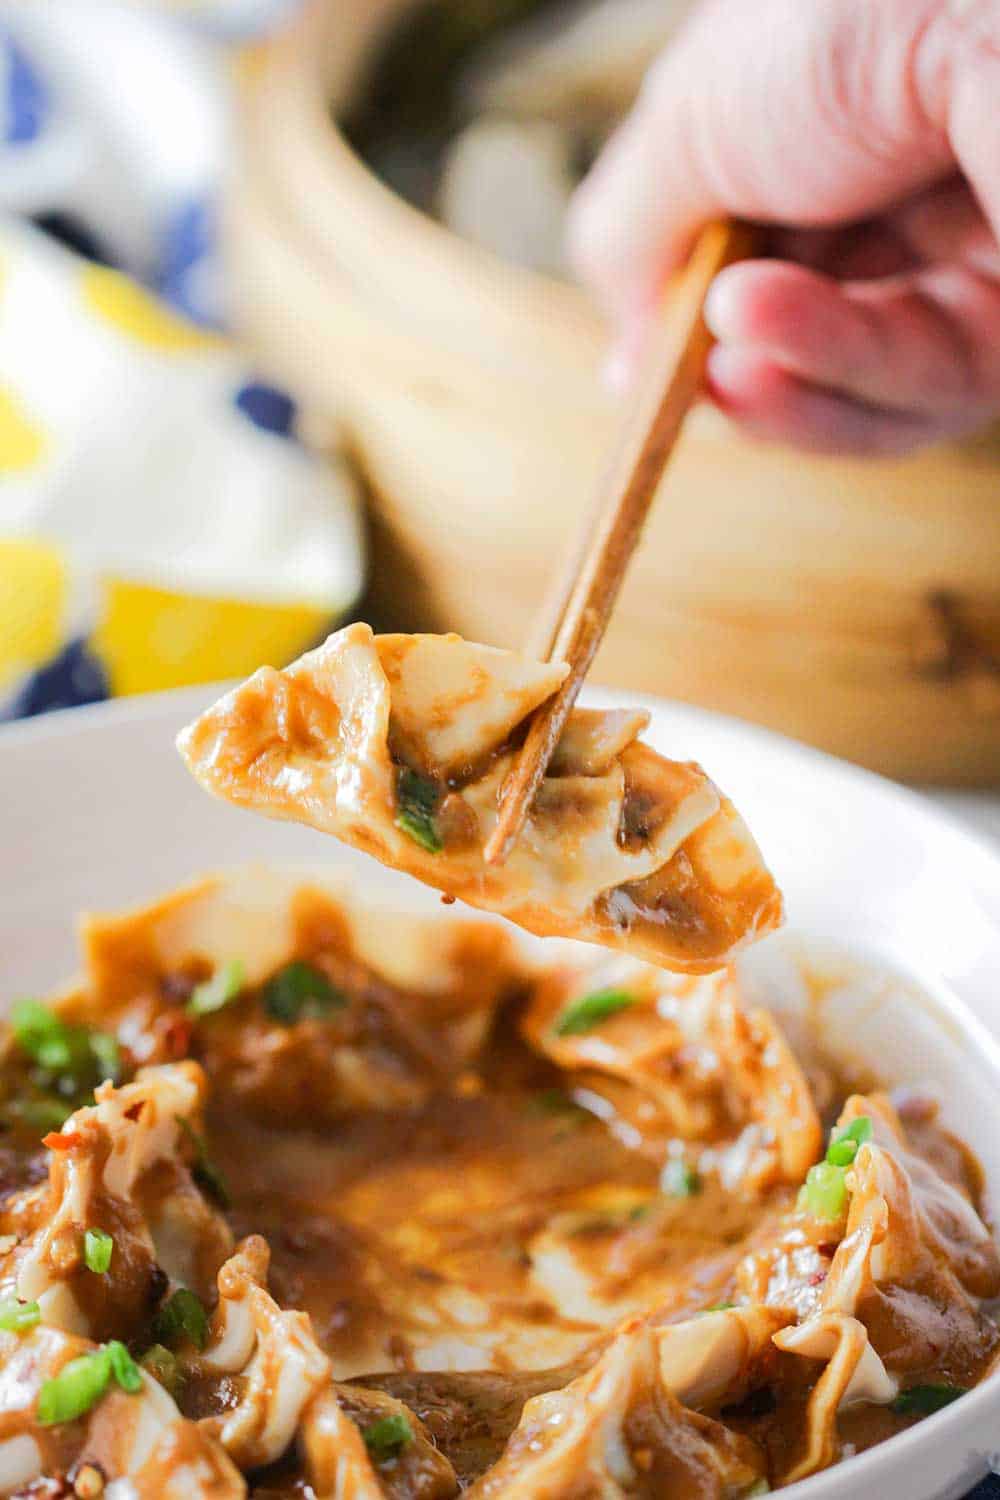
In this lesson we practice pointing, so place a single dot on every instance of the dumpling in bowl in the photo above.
(400, 745)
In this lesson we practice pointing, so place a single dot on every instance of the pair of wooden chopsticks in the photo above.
(578, 607)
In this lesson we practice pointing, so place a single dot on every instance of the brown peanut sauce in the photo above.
(412, 1223)
(453, 1193)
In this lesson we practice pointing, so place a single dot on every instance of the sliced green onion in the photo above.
(824, 1195)
(82, 1382)
(162, 1365)
(42, 1113)
(420, 828)
(387, 1436)
(590, 1010)
(678, 1180)
(97, 1249)
(18, 1317)
(34, 1025)
(124, 1368)
(299, 992)
(79, 1385)
(224, 985)
(182, 1317)
(719, 1307)
(844, 1148)
(204, 1171)
(922, 1400)
(759, 1487)
(555, 1102)
(58, 1048)
(416, 803)
(842, 1153)
(72, 1059)
(107, 1056)
(55, 1054)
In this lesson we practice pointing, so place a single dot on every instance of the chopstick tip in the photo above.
(498, 845)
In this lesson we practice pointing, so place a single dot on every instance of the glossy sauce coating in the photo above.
(471, 1199)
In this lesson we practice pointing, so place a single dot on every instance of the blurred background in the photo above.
(287, 337)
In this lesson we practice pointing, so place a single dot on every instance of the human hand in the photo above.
(865, 134)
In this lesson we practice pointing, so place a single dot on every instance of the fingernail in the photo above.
(721, 313)
(725, 368)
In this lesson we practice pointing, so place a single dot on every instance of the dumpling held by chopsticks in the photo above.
(399, 745)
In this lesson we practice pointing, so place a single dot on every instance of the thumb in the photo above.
(804, 112)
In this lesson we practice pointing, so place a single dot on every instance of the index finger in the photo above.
(794, 112)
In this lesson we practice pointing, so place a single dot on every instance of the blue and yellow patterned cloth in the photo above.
(160, 522)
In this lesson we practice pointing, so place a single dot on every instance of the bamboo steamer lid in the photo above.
(853, 604)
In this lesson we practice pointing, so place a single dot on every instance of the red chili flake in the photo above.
(447, 900)
(177, 1036)
(63, 1140)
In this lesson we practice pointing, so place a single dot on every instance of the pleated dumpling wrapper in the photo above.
(400, 744)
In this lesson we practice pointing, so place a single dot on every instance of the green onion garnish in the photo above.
(82, 1382)
(555, 1102)
(38, 1032)
(41, 1113)
(79, 1385)
(759, 1487)
(921, 1400)
(204, 1171)
(70, 1061)
(163, 1366)
(824, 1195)
(590, 1010)
(844, 1148)
(299, 992)
(224, 985)
(97, 1248)
(387, 1436)
(420, 828)
(124, 1368)
(18, 1317)
(106, 1054)
(678, 1180)
(416, 803)
(182, 1317)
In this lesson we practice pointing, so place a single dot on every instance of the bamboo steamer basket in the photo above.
(854, 605)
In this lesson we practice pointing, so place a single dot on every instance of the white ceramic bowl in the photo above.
(97, 813)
